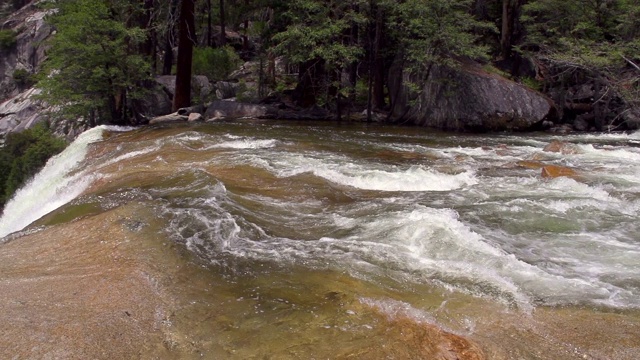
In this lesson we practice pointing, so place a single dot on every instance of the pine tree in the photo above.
(438, 32)
(94, 66)
(317, 39)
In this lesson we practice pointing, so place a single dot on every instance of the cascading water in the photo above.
(399, 208)
(52, 187)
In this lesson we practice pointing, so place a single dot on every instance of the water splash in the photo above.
(55, 185)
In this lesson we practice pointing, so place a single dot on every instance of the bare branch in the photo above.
(631, 62)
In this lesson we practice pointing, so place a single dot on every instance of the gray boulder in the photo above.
(201, 88)
(235, 110)
(157, 102)
(226, 89)
(467, 99)
(170, 118)
(631, 118)
(195, 117)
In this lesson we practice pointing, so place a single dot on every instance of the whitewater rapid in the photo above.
(454, 211)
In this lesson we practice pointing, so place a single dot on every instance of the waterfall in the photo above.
(55, 185)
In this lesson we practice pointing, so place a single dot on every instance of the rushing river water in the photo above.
(409, 221)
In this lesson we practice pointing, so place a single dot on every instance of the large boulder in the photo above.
(226, 89)
(466, 98)
(201, 88)
(236, 110)
(157, 102)
(631, 118)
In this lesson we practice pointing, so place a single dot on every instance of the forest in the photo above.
(335, 54)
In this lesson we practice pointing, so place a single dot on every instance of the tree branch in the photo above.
(631, 62)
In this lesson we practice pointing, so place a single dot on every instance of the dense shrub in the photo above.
(23, 78)
(7, 39)
(215, 63)
(23, 155)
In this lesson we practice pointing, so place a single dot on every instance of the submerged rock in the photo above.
(530, 164)
(467, 99)
(562, 148)
(554, 171)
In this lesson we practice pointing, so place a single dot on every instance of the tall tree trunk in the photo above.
(378, 63)
(505, 33)
(149, 45)
(209, 27)
(372, 39)
(223, 30)
(167, 61)
(309, 75)
(186, 27)
(353, 67)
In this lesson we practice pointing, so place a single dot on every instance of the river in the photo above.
(321, 240)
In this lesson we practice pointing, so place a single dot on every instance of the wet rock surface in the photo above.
(69, 294)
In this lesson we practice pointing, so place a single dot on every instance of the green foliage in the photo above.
(23, 155)
(596, 40)
(550, 22)
(362, 91)
(561, 26)
(7, 39)
(494, 70)
(215, 63)
(23, 78)
(317, 31)
(531, 83)
(93, 64)
(436, 32)
(628, 19)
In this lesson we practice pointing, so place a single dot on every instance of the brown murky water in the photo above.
(211, 242)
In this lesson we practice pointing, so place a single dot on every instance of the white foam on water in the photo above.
(247, 143)
(509, 237)
(435, 245)
(365, 176)
(416, 178)
(477, 152)
(610, 153)
(395, 309)
(54, 186)
(634, 135)
(129, 155)
(417, 242)
(572, 188)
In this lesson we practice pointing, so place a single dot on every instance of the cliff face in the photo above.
(18, 109)
(28, 52)
(467, 99)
